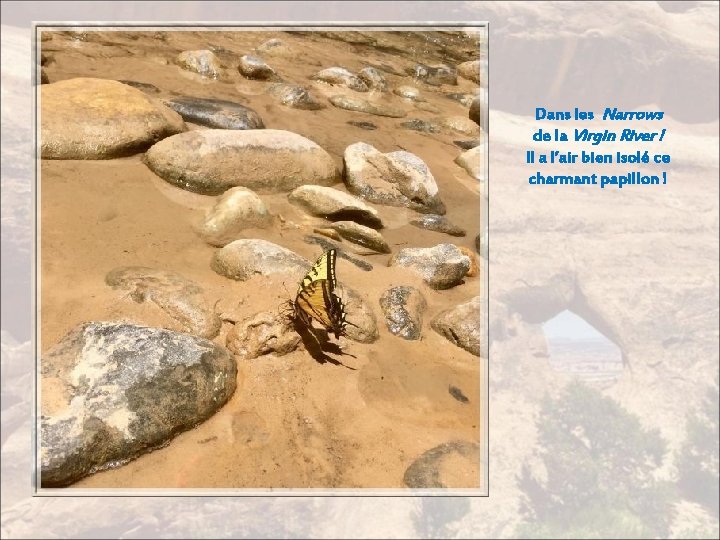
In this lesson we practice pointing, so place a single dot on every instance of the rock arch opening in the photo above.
(576, 347)
(581, 338)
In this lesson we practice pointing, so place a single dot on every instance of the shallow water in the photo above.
(292, 421)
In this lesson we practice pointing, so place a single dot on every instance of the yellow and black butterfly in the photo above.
(317, 300)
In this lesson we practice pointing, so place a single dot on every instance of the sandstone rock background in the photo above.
(666, 323)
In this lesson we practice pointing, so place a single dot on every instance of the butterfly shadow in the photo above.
(317, 343)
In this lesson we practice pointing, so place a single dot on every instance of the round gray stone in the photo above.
(462, 326)
(237, 209)
(441, 267)
(335, 205)
(242, 259)
(216, 113)
(403, 308)
(101, 119)
(264, 160)
(113, 391)
(203, 62)
(364, 106)
(395, 179)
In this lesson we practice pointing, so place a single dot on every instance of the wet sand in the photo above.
(292, 422)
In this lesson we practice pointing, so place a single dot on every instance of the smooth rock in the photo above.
(403, 308)
(335, 205)
(360, 314)
(461, 124)
(462, 326)
(361, 105)
(253, 67)
(373, 79)
(435, 75)
(467, 145)
(294, 96)
(180, 298)
(361, 235)
(242, 259)
(420, 125)
(470, 70)
(441, 267)
(341, 77)
(369, 126)
(474, 113)
(395, 179)
(237, 209)
(472, 161)
(463, 99)
(264, 160)
(408, 92)
(101, 119)
(203, 62)
(216, 113)
(437, 223)
(113, 391)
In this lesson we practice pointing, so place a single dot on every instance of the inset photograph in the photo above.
(262, 259)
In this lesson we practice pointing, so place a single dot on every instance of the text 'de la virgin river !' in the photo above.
(598, 137)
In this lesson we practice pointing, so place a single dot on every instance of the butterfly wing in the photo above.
(316, 300)
(323, 269)
(337, 315)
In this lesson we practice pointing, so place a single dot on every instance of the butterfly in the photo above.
(317, 300)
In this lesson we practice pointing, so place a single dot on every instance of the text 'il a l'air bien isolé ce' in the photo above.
(582, 153)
